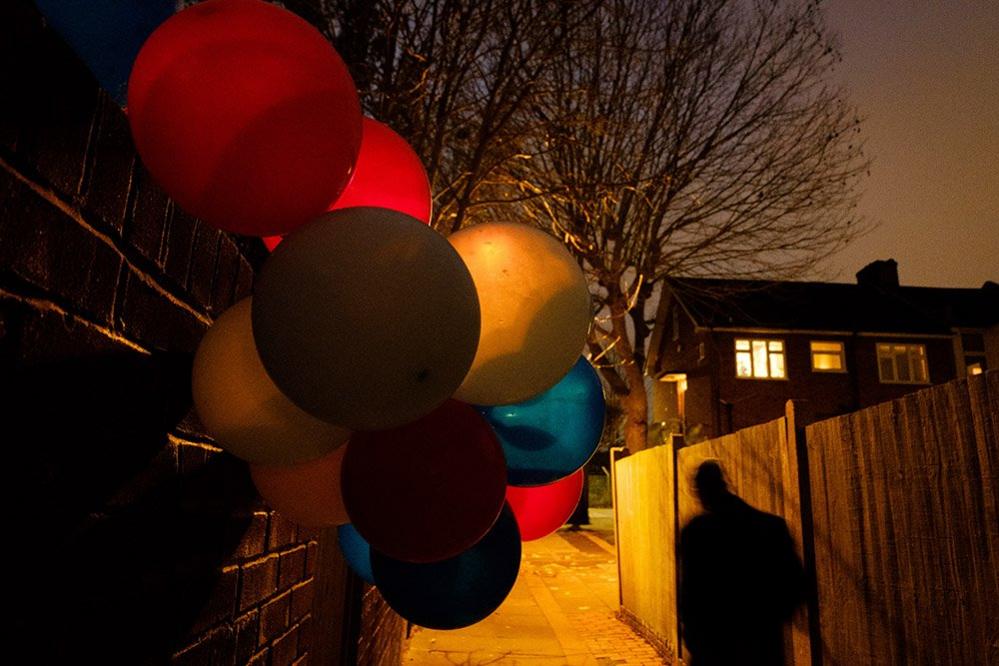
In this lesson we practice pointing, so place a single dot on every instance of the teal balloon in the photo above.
(460, 590)
(356, 551)
(552, 435)
(107, 34)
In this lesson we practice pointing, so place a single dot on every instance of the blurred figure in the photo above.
(740, 579)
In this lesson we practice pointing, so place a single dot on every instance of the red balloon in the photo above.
(540, 510)
(307, 493)
(388, 175)
(245, 115)
(428, 490)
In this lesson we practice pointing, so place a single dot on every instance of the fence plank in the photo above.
(643, 488)
(905, 529)
(760, 464)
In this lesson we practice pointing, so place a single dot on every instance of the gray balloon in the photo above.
(366, 318)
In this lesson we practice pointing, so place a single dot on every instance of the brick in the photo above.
(191, 458)
(284, 650)
(221, 603)
(42, 246)
(226, 272)
(247, 628)
(301, 600)
(148, 316)
(282, 532)
(291, 567)
(306, 629)
(244, 280)
(311, 558)
(274, 617)
(215, 647)
(108, 176)
(255, 538)
(147, 224)
(204, 254)
(179, 246)
(260, 659)
(259, 581)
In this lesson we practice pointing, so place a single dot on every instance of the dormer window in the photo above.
(759, 359)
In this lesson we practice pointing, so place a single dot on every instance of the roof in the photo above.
(826, 306)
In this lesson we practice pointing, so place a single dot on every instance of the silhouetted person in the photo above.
(740, 579)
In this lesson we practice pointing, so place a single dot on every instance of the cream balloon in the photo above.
(535, 311)
(242, 408)
(366, 317)
(307, 493)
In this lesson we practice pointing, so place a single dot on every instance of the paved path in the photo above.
(561, 611)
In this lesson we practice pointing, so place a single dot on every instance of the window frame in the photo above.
(909, 356)
(769, 352)
(842, 369)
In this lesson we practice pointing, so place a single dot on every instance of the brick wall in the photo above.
(130, 537)
(382, 632)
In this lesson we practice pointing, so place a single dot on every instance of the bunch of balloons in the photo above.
(424, 393)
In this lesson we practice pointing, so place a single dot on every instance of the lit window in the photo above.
(902, 364)
(759, 359)
(828, 357)
(975, 369)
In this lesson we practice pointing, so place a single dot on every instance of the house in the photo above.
(728, 354)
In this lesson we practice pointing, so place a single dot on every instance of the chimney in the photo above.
(880, 274)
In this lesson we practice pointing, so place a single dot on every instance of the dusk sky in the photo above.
(925, 75)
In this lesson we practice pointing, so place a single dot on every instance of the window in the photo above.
(902, 364)
(975, 369)
(828, 356)
(975, 364)
(759, 359)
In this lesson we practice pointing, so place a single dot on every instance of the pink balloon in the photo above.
(540, 510)
(388, 175)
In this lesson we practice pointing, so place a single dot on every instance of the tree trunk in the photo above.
(636, 411)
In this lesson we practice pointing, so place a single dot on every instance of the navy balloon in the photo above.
(107, 34)
(458, 591)
(356, 551)
(550, 436)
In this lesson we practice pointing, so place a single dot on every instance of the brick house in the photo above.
(728, 354)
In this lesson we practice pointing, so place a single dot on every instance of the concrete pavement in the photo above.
(561, 611)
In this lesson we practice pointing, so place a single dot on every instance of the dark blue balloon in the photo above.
(550, 436)
(356, 551)
(458, 591)
(107, 34)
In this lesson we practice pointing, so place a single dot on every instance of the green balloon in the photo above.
(366, 318)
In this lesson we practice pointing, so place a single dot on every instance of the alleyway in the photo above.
(561, 611)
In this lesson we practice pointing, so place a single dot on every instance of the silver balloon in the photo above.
(366, 318)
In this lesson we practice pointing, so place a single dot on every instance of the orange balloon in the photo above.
(307, 493)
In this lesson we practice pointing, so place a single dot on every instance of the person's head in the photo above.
(710, 484)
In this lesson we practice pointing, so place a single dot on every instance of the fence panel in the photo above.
(906, 531)
(761, 467)
(643, 490)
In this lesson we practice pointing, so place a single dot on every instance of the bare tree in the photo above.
(455, 78)
(658, 139)
(696, 137)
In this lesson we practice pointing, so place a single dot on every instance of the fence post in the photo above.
(614, 451)
(797, 416)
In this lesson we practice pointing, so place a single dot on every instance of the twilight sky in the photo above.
(925, 75)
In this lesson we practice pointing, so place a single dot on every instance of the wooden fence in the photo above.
(894, 510)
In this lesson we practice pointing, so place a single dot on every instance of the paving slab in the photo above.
(561, 612)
